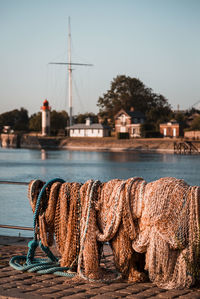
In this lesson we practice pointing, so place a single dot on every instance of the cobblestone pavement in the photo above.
(15, 284)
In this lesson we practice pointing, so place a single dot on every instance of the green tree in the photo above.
(58, 121)
(16, 119)
(192, 111)
(159, 111)
(181, 118)
(35, 122)
(127, 92)
(195, 125)
(81, 118)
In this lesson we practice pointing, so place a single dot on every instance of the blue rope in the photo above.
(30, 263)
(41, 266)
(50, 265)
(35, 216)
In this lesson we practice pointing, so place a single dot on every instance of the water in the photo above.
(24, 165)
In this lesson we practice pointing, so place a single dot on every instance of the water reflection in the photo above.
(44, 155)
(123, 156)
(135, 157)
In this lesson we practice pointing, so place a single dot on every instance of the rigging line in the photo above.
(58, 89)
(76, 54)
(78, 95)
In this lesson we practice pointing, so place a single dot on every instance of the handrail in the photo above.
(16, 227)
(14, 183)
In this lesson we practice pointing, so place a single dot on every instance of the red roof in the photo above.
(45, 105)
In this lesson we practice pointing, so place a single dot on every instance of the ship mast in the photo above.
(69, 63)
(70, 73)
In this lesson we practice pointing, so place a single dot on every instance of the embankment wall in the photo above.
(112, 144)
(92, 144)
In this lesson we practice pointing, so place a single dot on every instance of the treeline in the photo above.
(19, 121)
(125, 92)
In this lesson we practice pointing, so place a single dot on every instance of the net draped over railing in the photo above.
(151, 227)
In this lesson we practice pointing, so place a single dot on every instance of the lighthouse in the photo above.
(45, 118)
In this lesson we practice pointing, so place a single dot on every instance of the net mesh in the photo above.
(152, 227)
(169, 232)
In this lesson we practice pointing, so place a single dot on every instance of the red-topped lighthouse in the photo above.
(45, 118)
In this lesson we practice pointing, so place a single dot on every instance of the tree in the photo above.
(127, 92)
(35, 122)
(159, 111)
(16, 119)
(192, 111)
(181, 118)
(195, 125)
(81, 118)
(58, 121)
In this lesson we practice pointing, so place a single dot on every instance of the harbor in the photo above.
(173, 145)
(99, 150)
(22, 165)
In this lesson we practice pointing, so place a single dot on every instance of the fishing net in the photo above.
(151, 227)
(169, 233)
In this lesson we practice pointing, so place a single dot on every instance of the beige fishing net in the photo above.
(153, 228)
(169, 233)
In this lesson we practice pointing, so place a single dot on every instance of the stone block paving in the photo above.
(16, 284)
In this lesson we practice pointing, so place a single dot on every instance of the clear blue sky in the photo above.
(157, 41)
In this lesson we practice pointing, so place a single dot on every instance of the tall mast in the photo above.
(70, 73)
(70, 63)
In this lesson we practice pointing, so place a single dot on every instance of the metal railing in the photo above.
(13, 183)
(15, 226)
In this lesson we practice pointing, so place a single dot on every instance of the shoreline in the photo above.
(115, 149)
(109, 144)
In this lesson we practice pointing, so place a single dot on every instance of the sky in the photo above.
(156, 41)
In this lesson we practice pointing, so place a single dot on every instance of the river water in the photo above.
(24, 165)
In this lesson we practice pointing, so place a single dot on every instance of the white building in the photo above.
(89, 130)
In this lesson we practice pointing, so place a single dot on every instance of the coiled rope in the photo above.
(29, 262)
(51, 265)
